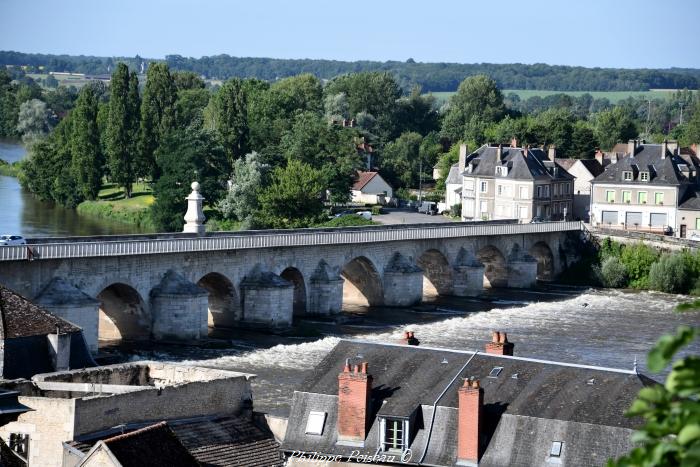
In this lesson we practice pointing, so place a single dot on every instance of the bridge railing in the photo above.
(291, 238)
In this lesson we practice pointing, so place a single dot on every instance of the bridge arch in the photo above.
(295, 276)
(123, 314)
(545, 261)
(437, 273)
(363, 283)
(224, 303)
(495, 266)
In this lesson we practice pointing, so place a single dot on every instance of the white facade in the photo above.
(582, 190)
(633, 214)
(376, 191)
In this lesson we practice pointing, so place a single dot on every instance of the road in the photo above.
(403, 216)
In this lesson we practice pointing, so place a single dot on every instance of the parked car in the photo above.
(536, 220)
(695, 237)
(428, 207)
(365, 214)
(12, 240)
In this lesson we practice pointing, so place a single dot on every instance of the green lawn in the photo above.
(111, 204)
(612, 96)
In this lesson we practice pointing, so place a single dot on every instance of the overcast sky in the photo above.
(613, 33)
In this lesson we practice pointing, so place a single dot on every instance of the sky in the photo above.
(592, 33)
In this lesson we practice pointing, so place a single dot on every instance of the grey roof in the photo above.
(592, 165)
(454, 177)
(522, 163)
(408, 380)
(691, 201)
(647, 158)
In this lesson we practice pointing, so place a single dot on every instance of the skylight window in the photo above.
(495, 372)
(557, 447)
(315, 423)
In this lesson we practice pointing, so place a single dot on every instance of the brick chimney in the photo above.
(631, 146)
(552, 152)
(664, 148)
(354, 404)
(409, 338)
(462, 157)
(513, 142)
(471, 402)
(599, 156)
(499, 344)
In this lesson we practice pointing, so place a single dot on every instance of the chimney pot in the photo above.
(354, 405)
(346, 368)
(462, 157)
(513, 142)
(471, 401)
(357, 369)
(495, 336)
(499, 344)
(364, 367)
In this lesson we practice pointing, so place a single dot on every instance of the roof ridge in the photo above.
(525, 359)
(130, 434)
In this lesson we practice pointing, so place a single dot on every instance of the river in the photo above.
(23, 214)
(588, 326)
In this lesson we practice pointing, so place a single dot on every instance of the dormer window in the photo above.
(394, 434)
(627, 176)
(502, 170)
(644, 176)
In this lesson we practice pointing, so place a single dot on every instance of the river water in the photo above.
(587, 326)
(23, 214)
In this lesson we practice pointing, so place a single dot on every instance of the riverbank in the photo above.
(114, 206)
(10, 169)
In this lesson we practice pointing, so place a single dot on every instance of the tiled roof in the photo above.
(363, 178)
(155, 446)
(19, 317)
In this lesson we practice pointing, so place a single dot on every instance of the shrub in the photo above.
(456, 210)
(609, 248)
(376, 210)
(346, 221)
(612, 273)
(669, 274)
(638, 259)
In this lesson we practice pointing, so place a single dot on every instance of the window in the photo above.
(500, 189)
(19, 443)
(484, 207)
(495, 371)
(644, 176)
(523, 192)
(556, 190)
(483, 187)
(610, 196)
(539, 191)
(394, 434)
(626, 196)
(566, 188)
(642, 197)
(627, 176)
(659, 198)
(557, 447)
(315, 423)
(697, 223)
(523, 212)
(546, 191)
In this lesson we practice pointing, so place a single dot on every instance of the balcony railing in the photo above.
(113, 246)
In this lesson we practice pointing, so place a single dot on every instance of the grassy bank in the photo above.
(10, 170)
(112, 205)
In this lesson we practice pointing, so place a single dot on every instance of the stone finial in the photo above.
(194, 217)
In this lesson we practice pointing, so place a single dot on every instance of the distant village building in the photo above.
(394, 403)
(584, 170)
(32, 340)
(651, 187)
(72, 410)
(371, 188)
(510, 182)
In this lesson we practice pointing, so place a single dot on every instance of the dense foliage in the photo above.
(431, 76)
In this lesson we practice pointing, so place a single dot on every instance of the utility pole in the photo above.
(420, 178)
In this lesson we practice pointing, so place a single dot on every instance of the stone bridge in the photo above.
(175, 286)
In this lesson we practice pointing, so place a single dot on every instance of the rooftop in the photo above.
(522, 163)
(19, 317)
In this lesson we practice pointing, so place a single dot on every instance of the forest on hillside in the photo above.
(429, 76)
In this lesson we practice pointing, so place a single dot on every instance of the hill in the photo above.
(434, 77)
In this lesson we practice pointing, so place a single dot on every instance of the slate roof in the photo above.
(363, 178)
(691, 201)
(155, 445)
(218, 441)
(647, 157)
(19, 317)
(454, 177)
(408, 380)
(522, 163)
(592, 165)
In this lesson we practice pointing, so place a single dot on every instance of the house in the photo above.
(97, 403)
(510, 182)
(584, 170)
(32, 340)
(403, 404)
(454, 180)
(371, 188)
(155, 445)
(650, 187)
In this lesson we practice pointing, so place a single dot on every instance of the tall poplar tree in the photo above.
(122, 127)
(232, 119)
(86, 156)
(157, 115)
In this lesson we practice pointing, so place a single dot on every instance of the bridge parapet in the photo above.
(263, 239)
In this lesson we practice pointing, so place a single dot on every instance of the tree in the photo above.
(231, 109)
(670, 435)
(34, 119)
(241, 200)
(400, 160)
(87, 160)
(184, 156)
(417, 112)
(293, 198)
(613, 126)
(477, 103)
(157, 116)
(583, 141)
(445, 163)
(9, 107)
(190, 106)
(123, 128)
(187, 80)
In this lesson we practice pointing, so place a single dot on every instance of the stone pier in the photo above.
(403, 282)
(268, 300)
(468, 275)
(179, 309)
(522, 269)
(326, 292)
